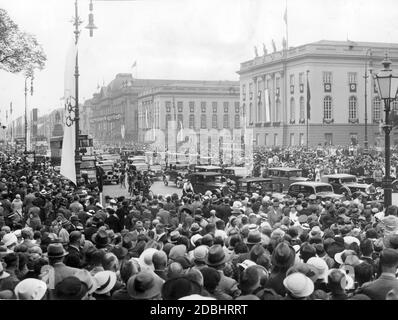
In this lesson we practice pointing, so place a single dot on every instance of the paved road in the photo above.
(158, 188)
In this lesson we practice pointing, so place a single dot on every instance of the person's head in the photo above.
(159, 260)
(389, 260)
(128, 269)
(336, 281)
(366, 247)
(249, 280)
(363, 273)
(110, 262)
(307, 251)
(211, 279)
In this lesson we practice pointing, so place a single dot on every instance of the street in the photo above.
(157, 188)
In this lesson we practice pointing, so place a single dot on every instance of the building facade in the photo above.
(113, 112)
(274, 92)
(195, 105)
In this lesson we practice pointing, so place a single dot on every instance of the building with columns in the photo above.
(274, 94)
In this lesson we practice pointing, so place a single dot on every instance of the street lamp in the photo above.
(75, 109)
(387, 82)
(368, 52)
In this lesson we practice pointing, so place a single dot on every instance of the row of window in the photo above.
(353, 109)
(203, 121)
(327, 77)
(203, 106)
(328, 139)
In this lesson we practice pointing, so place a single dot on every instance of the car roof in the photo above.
(311, 183)
(285, 169)
(339, 175)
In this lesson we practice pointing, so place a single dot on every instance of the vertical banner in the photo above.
(267, 106)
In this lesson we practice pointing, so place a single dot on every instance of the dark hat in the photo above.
(178, 287)
(144, 286)
(216, 256)
(56, 250)
(101, 239)
(120, 252)
(174, 236)
(283, 255)
(195, 228)
(254, 237)
(70, 288)
(74, 218)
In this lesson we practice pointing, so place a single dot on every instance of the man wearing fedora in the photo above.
(217, 259)
(58, 270)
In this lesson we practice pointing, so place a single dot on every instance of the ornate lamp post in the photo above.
(387, 82)
(75, 109)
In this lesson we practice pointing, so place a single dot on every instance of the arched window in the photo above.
(277, 110)
(327, 108)
(352, 108)
(302, 109)
(292, 110)
(376, 109)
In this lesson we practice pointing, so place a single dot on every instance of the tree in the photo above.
(19, 51)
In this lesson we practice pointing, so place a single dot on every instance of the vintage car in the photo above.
(257, 185)
(307, 188)
(138, 162)
(176, 173)
(286, 176)
(212, 181)
(348, 183)
(110, 174)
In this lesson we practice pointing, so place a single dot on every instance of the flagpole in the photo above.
(307, 108)
(287, 29)
(76, 119)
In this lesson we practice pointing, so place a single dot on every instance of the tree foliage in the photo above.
(19, 51)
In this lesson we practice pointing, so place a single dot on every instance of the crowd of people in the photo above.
(59, 242)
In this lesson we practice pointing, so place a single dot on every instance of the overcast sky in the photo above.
(178, 39)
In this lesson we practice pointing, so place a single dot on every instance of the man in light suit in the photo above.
(379, 288)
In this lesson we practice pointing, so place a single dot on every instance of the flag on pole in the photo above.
(123, 131)
(285, 15)
(180, 137)
(273, 45)
(308, 100)
(134, 64)
(68, 169)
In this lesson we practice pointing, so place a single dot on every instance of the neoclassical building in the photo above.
(274, 94)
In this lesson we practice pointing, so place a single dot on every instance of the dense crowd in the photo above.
(59, 242)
